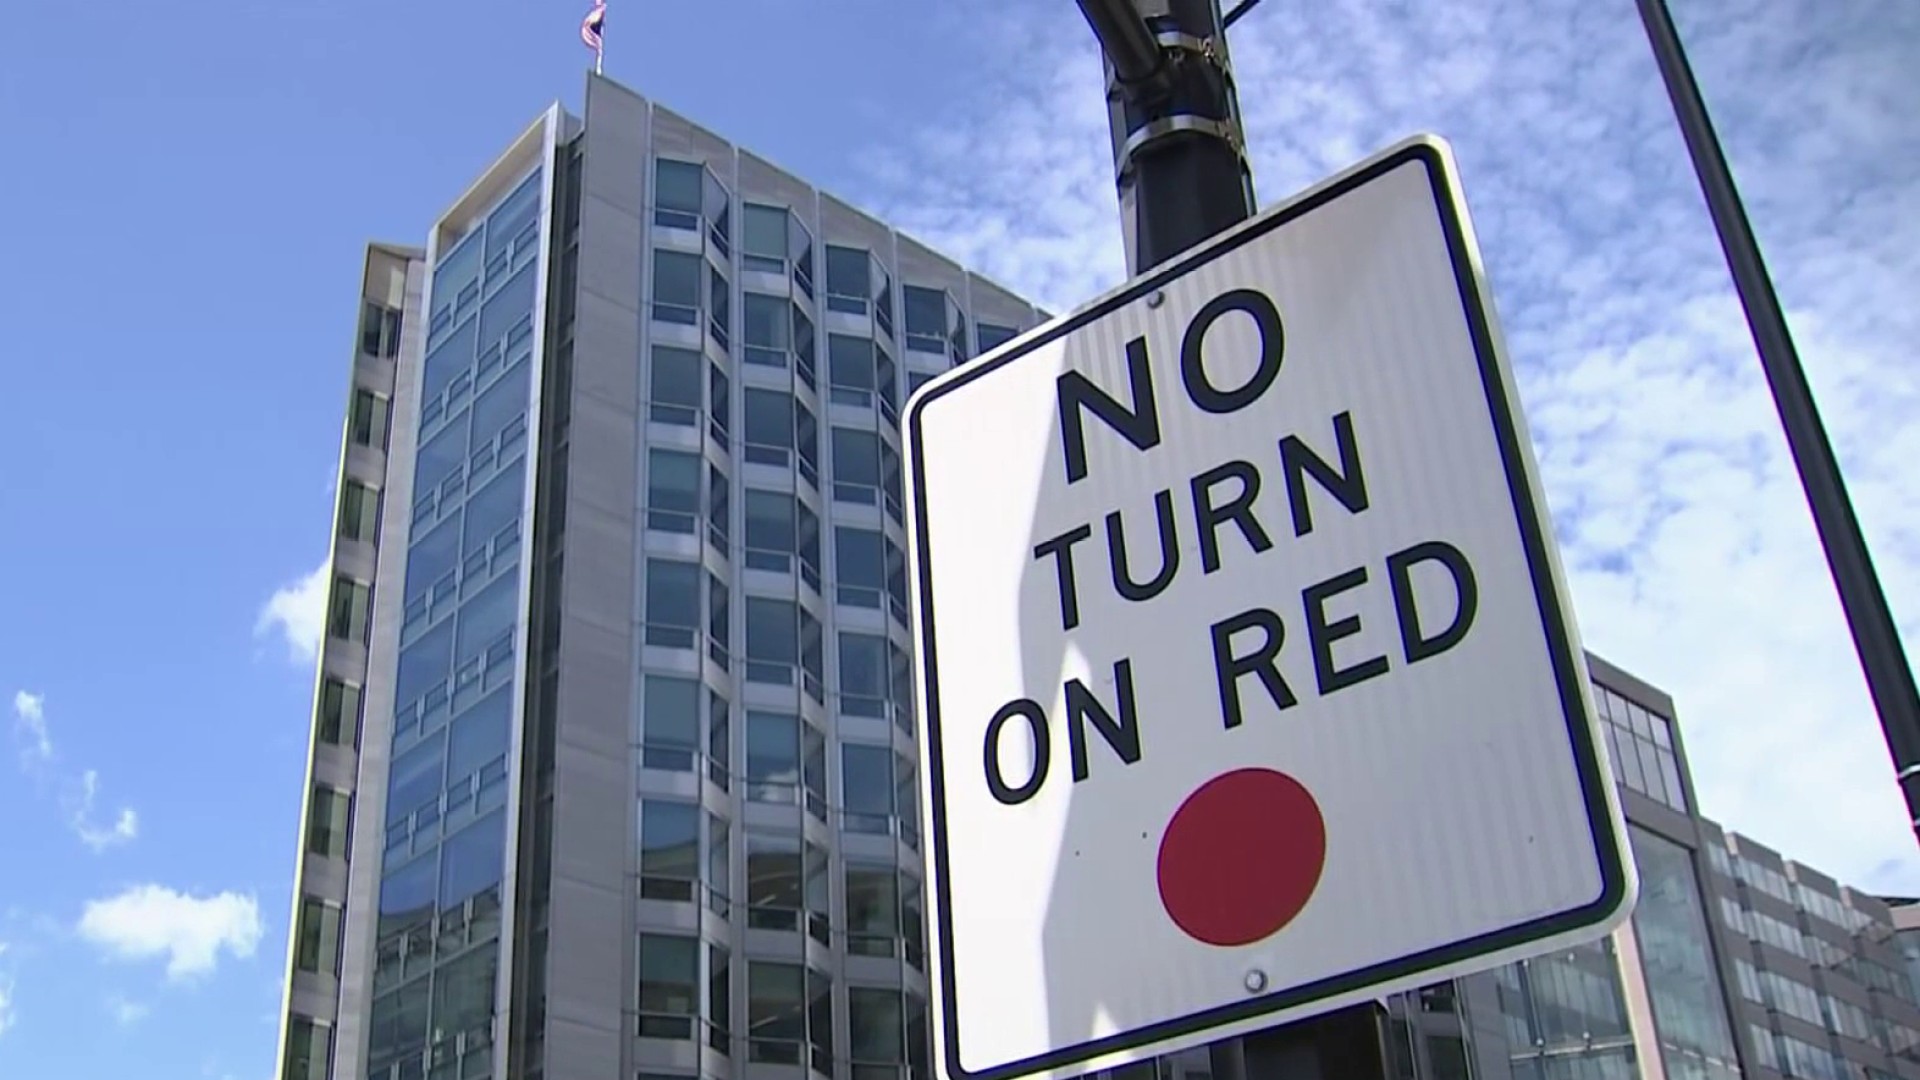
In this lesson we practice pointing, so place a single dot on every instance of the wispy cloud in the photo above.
(296, 612)
(151, 921)
(76, 793)
(30, 725)
(125, 1011)
(6, 993)
(1691, 552)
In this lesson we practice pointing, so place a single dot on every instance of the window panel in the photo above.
(992, 336)
(317, 942)
(359, 511)
(327, 823)
(873, 910)
(673, 603)
(676, 287)
(673, 491)
(850, 370)
(866, 782)
(849, 279)
(770, 426)
(669, 849)
(863, 675)
(771, 530)
(339, 712)
(463, 994)
(719, 998)
(348, 611)
(367, 420)
(380, 330)
(669, 985)
(765, 327)
(674, 386)
(719, 739)
(856, 466)
(309, 1049)
(773, 756)
(763, 236)
(776, 1011)
(1682, 979)
(774, 880)
(450, 358)
(669, 722)
(773, 645)
(678, 187)
(859, 566)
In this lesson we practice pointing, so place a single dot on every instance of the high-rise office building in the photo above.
(613, 770)
(1736, 965)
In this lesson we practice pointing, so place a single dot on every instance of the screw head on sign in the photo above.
(1156, 298)
(1256, 980)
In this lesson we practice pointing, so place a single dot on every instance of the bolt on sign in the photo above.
(1249, 685)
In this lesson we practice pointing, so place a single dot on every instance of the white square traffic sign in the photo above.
(1248, 682)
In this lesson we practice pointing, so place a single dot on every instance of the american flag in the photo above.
(591, 26)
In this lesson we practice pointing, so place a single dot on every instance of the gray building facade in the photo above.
(614, 755)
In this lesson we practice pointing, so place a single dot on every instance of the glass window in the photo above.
(765, 324)
(463, 993)
(875, 1026)
(415, 780)
(774, 880)
(673, 603)
(860, 566)
(773, 645)
(763, 237)
(367, 422)
(776, 1011)
(719, 998)
(477, 743)
(849, 280)
(339, 712)
(926, 316)
(676, 287)
(850, 370)
(856, 466)
(317, 945)
(863, 675)
(720, 322)
(674, 386)
(773, 756)
(719, 620)
(348, 610)
(669, 849)
(673, 491)
(770, 416)
(677, 191)
(873, 910)
(866, 781)
(719, 509)
(380, 331)
(770, 530)
(1688, 1002)
(309, 1046)
(719, 739)
(992, 336)
(669, 985)
(359, 511)
(327, 822)
(669, 722)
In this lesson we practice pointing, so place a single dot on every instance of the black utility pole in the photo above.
(1181, 169)
(1875, 636)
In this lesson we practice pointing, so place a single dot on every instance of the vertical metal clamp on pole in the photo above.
(1178, 149)
(1876, 638)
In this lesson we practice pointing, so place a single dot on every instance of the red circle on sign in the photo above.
(1241, 857)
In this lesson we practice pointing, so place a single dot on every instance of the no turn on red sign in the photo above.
(1248, 681)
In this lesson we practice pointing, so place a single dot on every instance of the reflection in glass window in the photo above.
(993, 336)
(850, 370)
(765, 327)
(676, 287)
(849, 279)
(926, 318)
(317, 937)
(672, 603)
(776, 1011)
(773, 756)
(774, 880)
(359, 511)
(309, 1049)
(763, 238)
(876, 1028)
(380, 331)
(674, 386)
(770, 530)
(669, 849)
(860, 566)
(1688, 1000)
(339, 712)
(863, 674)
(367, 420)
(669, 985)
(773, 645)
(347, 611)
(866, 782)
(673, 491)
(677, 190)
(1640, 744)
(669, 722)
(873, 910)
(327, 822)
(1567, 1007)
(770, 417)
(856, 466)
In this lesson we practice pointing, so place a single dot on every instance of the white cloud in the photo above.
(297, 611)
(150, 921)
(77, 794)
(1689, 546)
(125, 1011)
(125, 827)
(30, 724)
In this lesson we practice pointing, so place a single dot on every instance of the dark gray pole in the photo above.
(1181, 170)
(1875, 636)
(1177, 147)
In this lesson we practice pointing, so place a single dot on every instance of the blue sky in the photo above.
(197, 181)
